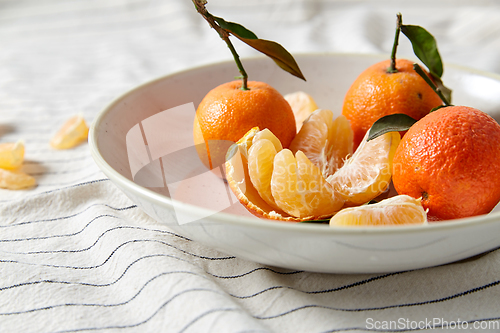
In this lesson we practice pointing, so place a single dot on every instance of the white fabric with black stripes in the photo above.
(77, 256)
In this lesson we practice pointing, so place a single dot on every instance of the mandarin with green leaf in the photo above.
(230, 110)
(377, 93)
(394, 87)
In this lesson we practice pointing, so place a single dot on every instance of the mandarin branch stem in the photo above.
(399, 22)
(224, 35)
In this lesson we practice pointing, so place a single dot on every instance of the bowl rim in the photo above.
(227, 218)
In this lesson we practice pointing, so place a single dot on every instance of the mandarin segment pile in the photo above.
(238, 178)
(72, 133)
(303, 183)
(271, 182)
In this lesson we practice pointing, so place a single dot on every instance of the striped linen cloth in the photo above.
(76, 255)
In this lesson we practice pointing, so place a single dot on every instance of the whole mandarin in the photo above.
(377, 93)
(451, 158)
(226, 113)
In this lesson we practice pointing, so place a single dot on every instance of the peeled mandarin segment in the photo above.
(11, 155)
(284, 183)
(299, 188)
(367, 173)
(341, 137)
(319, 195)
(260, 168)
(313, 136)
(268, 135)
(15, 180)
(239, 181)
(302, 106)
(325, 141)
(245, 142)
(398, 210)
(238, 178)
(72, 133)
(260, 156)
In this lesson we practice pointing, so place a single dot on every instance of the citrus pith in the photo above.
(367, 173)
(325, 140)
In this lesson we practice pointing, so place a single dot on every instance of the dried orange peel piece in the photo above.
(15, 180)
(11, 155)
(73, 132)
(398, 210)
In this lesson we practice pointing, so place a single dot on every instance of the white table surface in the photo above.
(77, 255)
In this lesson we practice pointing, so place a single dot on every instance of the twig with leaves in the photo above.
(271, 49)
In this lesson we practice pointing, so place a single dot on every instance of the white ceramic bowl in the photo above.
(195, 203)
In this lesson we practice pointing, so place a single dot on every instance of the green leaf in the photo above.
(325, 221)
(235, 28)
(276, 52)
(425, 48)
(435, 83)
(445, 90)
(391, 123)
(438, 107)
